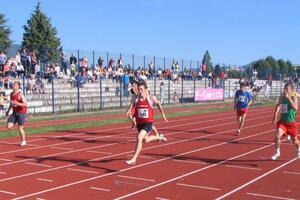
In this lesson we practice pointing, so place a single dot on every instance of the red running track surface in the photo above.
(202, 160)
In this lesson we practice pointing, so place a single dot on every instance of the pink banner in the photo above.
(208, 94)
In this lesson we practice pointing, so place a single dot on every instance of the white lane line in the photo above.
(189, 161)
(80, 170)
(33, 145)
(255, 179)
(113, 129)
(61, 148)
(160, 198)
(137, 166)
(2, 172)
(145, 164)
(268, 196)
(43, 179)
(38, 164)
(136, 178)
(101, 189)
(198, 170)
(6, 192)
(240, 167)
(147, 157)
(153, 147)
(89, 148)
(40, 199)
(102, 152)
(4, 159)
(295, 173)
(198, 186)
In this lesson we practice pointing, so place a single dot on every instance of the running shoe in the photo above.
(162, 138)
(130, 162)
(289, 138)
(238, 132)
(23, 143)
(276, 155)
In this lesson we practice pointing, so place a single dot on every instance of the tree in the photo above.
(5, 31)
(284, 68)
(273, 64)
(207, 61)
(291, 69)
(40, 36)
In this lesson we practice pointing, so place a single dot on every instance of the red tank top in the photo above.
(17, 109)
(144, 111)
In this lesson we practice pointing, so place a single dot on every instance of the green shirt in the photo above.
(288, 114)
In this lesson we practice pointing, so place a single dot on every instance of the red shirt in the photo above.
(144, 111)
(16, 97)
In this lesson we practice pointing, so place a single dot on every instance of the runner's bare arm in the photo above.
(128, 113)
(23, 102)
(294, 102)
(156, 101)
(277, 109)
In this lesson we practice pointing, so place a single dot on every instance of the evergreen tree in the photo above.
(40, 36)
(5, 42)
(207, 61)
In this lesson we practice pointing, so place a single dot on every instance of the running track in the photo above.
(202, 160)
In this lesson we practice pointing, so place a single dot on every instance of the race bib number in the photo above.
(242, 99)
(143, 113)
(284, 108)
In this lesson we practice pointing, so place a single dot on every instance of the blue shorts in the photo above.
(17, 117)
(147, 127)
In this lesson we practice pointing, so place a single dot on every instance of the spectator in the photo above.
(20, 69)
(2, 102)
(73, 59)
(34, 61)
(100, 61)
(40, 85)
(31, 84)
(162, 92)
(64, 63)
(3, 59)
(125, 81)
(82, 77)
(72, 68)
(24, 60)
(37, 69)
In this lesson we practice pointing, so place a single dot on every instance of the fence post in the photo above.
(78, 97)
(164, 63)
(107, 59)
(78, 60)
(154, 75)
(229, 90)
(182, 81)
(169, 90)
(133, 61)
(194, 90)
(120, 94)
(144, 61)
(94, 60)
(52, 83)
(100, 80)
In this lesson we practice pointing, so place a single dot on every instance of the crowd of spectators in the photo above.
(78, 72)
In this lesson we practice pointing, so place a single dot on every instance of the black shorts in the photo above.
(147, 127)
(17, 117)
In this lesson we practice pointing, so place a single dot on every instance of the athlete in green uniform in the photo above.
(287, 106)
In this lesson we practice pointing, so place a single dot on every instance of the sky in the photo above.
(235, 32)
